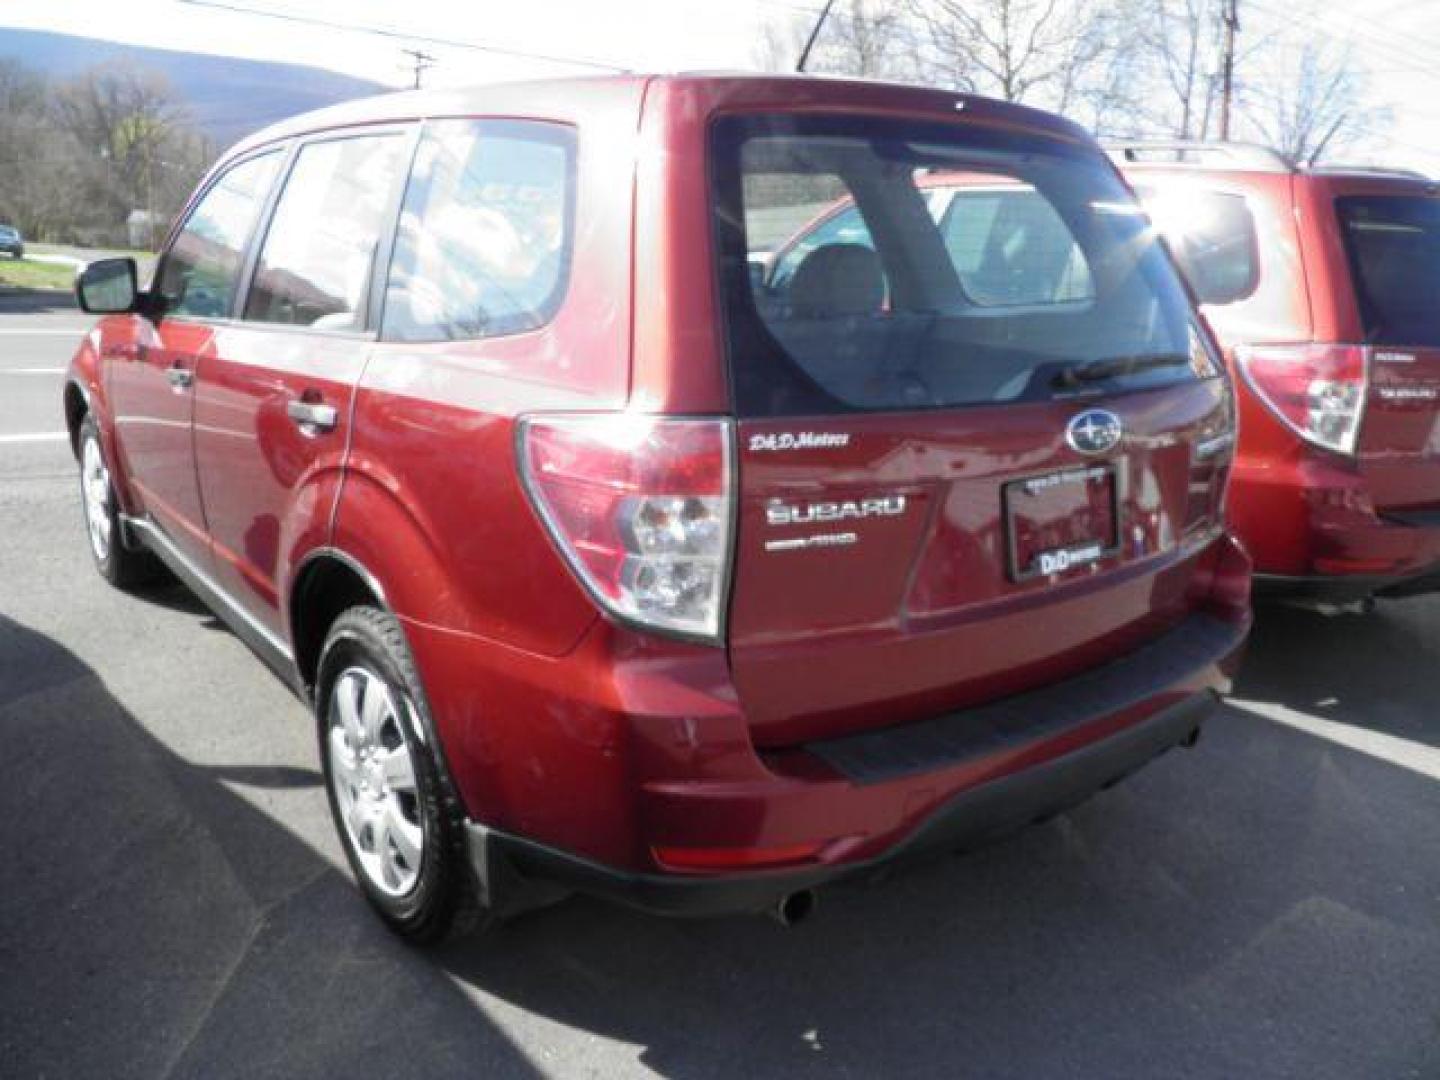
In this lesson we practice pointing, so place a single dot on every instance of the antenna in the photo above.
(814, 33)
(419, 62)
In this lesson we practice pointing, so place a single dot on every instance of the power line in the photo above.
(401, 35)
(1372, 38)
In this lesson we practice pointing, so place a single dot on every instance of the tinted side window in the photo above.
(201, 270)
(1212, 236)
(486, 233)
(319, 251)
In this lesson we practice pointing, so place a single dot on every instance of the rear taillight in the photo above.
(642, 509)
(1318, 390)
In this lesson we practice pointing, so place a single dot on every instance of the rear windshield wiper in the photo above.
(1099, 370)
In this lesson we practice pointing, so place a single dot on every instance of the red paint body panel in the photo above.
(918, 616)
(268, 489)
(561, 725)
(1309, 516)
(153, 423)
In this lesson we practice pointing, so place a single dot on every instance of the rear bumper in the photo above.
(875, 799)
(1357, 555)
(1313, 531)
(1348, 588)
(512, 865)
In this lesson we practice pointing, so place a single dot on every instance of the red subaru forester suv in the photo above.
(1323, 284)
(611, 565)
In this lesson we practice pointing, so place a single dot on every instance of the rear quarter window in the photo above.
(1212, 236)
(486, 232)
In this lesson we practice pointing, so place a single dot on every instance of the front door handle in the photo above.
(312, 417)
(180, 378)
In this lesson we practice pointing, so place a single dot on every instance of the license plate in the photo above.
(1060, 521)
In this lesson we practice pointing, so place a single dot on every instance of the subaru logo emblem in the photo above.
(1094, 431)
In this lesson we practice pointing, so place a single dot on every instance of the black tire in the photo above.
(121, 566)
(443, 900)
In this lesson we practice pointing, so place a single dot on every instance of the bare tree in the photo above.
(1183, 38)
(865, 38)
(41, 165)
(125, 117)
(76, 158)
(1035, 51)
(146, 152)
(1311, 103)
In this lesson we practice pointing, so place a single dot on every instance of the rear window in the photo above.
(871, 264)
(1393, 242)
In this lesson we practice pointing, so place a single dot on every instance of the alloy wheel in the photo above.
(95, 482)
(372, 771)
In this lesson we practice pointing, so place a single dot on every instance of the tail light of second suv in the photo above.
(1318, 390)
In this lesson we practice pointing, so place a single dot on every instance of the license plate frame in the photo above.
(1014, 492)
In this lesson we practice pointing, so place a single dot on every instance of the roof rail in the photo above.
(1328, 169)
(1196, 152)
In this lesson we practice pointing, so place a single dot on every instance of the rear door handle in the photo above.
(180, 378)
(312, 417)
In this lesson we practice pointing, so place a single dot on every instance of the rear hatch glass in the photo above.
(874, 265)
(1393, 243)
(981, 440)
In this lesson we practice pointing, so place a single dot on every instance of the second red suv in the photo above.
(1322, 285)
(610, 563)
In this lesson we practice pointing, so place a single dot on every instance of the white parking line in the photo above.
(39, 436)
(32, 371)
(1406, 753)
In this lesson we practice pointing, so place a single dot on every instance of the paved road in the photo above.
(172, 900)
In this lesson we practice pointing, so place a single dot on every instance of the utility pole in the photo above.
(1230, 17)
(419, 61)
(814, 33)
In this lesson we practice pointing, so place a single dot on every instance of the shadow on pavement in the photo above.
(1375, 670)
(1265, 905)
(154, 923)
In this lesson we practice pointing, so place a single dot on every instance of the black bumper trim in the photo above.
(1416, 519)
(970, 817)
(1183, 653)
(1345, 588)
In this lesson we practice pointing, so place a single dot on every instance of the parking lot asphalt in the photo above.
(173, 901)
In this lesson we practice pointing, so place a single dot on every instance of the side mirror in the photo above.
(108, 287)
